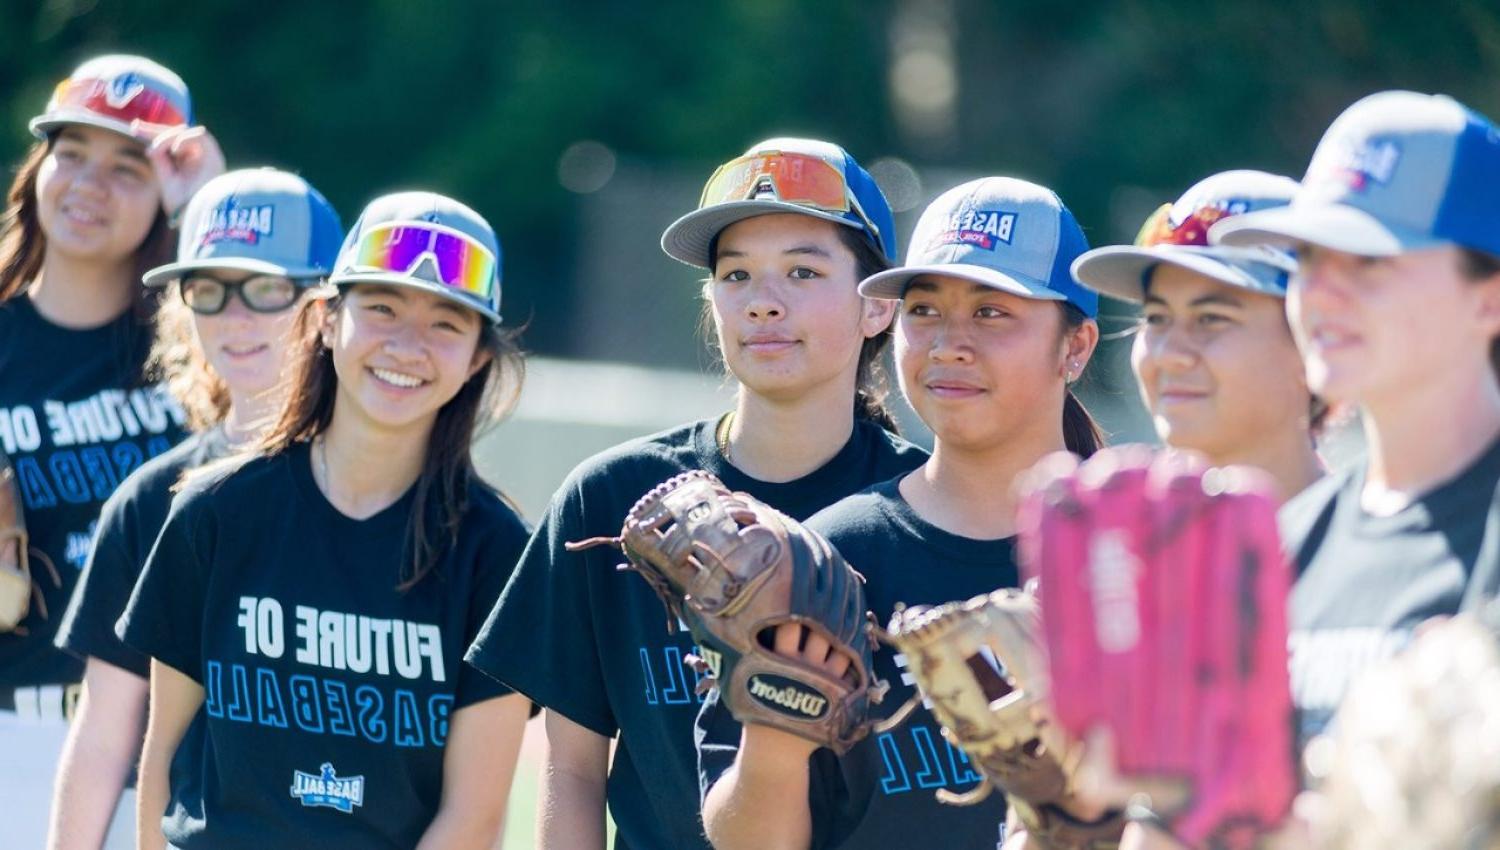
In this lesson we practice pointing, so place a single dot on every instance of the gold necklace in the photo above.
(721, 434)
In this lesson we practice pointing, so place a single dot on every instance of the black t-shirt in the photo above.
(328, 692)
(75, 421)
(595, 645)
(1365, 582)
(881, 794)
(128, 525)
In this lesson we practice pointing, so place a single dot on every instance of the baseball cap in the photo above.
(1000, 232)
(111, 92)
(1398, 171)
(427, 241)
(803, 176)
(258, 220)
(1177, 234)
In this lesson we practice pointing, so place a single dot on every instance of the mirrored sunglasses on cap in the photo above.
(101, 98)
(207, 294)
(794, 178)
(459, 260)
(1192, 232)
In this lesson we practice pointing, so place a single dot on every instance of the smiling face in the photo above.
(97, 196)
(401, 353)
(783, 297)
(983, 367)
(247, 349)
(1217, 367)
(1371, 328)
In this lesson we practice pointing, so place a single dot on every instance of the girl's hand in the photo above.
(800, 643)
(184, 158)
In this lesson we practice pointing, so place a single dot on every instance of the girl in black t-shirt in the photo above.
(306, 607)
(786, 233)
(222, 334)
(1214, 356)
(86, 213)
(991, 331)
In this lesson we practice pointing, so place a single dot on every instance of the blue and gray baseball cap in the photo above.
(426, 241)
(1000, 232)
(112, 92)
(257, 220)
(1398, 171)
(763, 181)
(1177, 234)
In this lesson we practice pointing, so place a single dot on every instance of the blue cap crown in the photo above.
(422, 208)
(1397, 171)
(258, 220)
(1001, 232)
(689, 238)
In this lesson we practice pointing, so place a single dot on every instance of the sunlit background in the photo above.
(581, 129)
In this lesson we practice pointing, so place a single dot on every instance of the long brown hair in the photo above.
(872, 384)
(442, 487)
(1081, 432)
(178, 360)
(23, 245)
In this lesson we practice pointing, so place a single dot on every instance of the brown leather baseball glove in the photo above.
(733, 569)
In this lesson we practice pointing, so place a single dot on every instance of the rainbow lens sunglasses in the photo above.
(794, 178)
(129, 102)
(446, 256)
(1192, 232)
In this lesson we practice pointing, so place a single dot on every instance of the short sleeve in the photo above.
(496, 561)
(87, 629)
(164, 618)
(539, 639)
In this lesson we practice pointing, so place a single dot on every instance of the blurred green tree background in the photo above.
(581, 128)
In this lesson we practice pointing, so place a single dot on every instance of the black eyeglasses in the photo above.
(262, 293)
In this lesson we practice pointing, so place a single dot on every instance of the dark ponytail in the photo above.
(1081, 434)
(871, 383)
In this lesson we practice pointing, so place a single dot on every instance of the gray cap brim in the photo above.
(1337, 226)
(687, 239)
(163, 275)
(1119, 271)
(43, 125)
(353, 277)
(891, 285)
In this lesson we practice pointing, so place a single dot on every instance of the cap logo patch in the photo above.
(232, 222)
(123, 89)
(980, 228)
(1359, 165)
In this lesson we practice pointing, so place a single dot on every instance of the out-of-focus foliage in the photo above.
(481, 99)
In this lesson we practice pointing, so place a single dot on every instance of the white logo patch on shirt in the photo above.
(326, 789)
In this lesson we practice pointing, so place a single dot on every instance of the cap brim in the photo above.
(351, 278)
(1119, 271)
(891, 285)
(43, 125)
(163, 275)
(1337, 226)
(687, 239)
